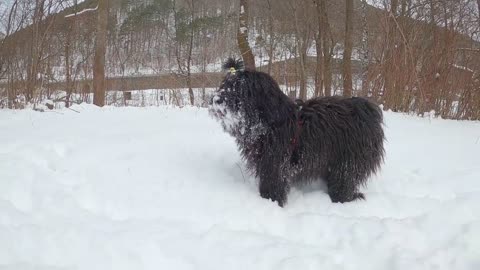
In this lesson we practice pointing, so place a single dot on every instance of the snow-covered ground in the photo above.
(164, 188)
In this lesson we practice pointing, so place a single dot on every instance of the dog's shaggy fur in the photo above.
(339, 140)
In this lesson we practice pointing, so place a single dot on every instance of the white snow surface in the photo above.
(165, 188)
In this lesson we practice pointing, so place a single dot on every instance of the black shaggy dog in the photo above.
(339, 140)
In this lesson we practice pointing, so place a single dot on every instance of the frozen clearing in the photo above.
(163, 188)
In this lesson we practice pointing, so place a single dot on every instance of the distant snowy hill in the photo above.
(165, 188)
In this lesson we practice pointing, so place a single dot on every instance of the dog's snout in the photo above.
(217, 99)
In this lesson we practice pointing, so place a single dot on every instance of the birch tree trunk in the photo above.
(242, 37)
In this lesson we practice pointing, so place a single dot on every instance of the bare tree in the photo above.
(327, 45)
(478, 10)
(364, 50)
(34, 53)
(189, 57)
(68, 63)
(242, 36)
(272, 39)
(303, 34)
(12, 25)
(347, 52)
(390, 59)
(318, 46)
(417, 55)
(99, 82)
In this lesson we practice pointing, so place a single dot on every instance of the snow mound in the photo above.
(164, 188)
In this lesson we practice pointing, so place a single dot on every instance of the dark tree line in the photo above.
(410, 55)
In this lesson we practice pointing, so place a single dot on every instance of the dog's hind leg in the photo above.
(342, 185)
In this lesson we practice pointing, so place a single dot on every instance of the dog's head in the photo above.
(227, 102)
(249, 99)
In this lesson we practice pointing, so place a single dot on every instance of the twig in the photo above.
(73, 110)
(467, 49)
(241, 172)
(53, 112)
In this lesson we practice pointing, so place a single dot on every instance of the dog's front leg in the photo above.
(273, 185)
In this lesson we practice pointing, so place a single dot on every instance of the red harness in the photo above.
(298, 131)
(298, 125)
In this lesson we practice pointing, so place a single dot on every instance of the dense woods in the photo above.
(409, 55)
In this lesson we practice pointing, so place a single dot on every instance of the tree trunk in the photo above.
(390, 64)
(403, 9)
(478, 10)
(347, 52)
(303, 73)
(302, 46)
(242, 37)
(34, 53)
(68, 76)
(327, 54)
(8, 61)
(189, 60)
(318, 47)
(430, 91)
(272, 37)
(365, 57)
(99, 83)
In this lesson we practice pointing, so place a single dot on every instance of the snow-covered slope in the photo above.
(164, 188)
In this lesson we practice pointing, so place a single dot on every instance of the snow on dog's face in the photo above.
(226, 106)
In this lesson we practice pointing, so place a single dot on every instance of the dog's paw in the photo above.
(342, 199)
(279, 199)
(358, 196)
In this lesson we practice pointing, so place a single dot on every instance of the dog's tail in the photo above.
(233, 65)
(367, 109)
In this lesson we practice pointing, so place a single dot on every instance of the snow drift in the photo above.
(164, 188)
